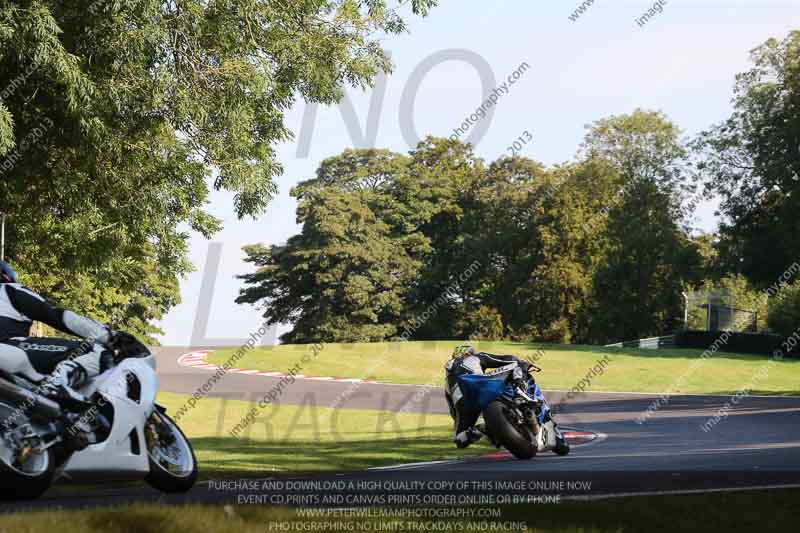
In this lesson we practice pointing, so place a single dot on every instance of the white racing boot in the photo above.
(61, 384)
(467, 437)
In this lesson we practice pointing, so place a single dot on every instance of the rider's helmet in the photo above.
(464, 351)
(7, 274)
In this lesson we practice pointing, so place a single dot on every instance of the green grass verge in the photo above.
(745, 511)
(564, 366)
(309, 438)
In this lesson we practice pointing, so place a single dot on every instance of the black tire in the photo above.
(162, 479)
(503, 431)
(562, 448)
(18, 485)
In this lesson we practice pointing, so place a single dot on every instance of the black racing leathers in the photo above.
(19, 307)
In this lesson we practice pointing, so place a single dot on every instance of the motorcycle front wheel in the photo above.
(499, 422)
(24, 474)
(173, 466)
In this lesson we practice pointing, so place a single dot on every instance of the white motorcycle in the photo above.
(119, 432)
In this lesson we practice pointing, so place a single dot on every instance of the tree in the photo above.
(707, 245)
(116, 114)
(494, 252)
(528, 226)
(480, 323)
(444, 247)
(498, 228)
(637, 290)
(752, 161)
(384, 226)
(343, 279)
(130, 292)
(369, 169)
(434, 199)
(784, 310)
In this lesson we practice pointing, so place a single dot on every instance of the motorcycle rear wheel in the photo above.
(28, 481)
(515, 440)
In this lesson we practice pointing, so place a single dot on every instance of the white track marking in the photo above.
(672, 394)
(409, 466)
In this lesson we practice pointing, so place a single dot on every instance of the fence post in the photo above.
(685, 310)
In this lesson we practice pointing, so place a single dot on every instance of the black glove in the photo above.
(125, 345)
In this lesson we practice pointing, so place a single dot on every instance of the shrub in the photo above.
(784, 310)
(557, 332)
(754, 343)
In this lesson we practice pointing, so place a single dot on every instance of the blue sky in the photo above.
(683, 62)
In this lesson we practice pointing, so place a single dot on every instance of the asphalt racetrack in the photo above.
(756, 445)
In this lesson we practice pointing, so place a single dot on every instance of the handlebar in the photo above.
(124, 346)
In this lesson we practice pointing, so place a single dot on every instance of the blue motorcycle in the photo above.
(515, 412)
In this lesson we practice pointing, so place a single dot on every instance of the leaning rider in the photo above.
(77, 361)
(467, 360)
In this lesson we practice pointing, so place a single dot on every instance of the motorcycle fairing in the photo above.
(117, 452)
(481, 390)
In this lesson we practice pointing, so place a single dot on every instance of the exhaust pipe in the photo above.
(26, 400)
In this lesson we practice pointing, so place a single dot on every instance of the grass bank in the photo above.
(707, 513)
(310, 438)
(627, 369)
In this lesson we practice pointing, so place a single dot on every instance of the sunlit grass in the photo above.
(627, 369)
(307, 438)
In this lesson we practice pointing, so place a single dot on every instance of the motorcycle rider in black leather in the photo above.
(467, 360)
(69, 363)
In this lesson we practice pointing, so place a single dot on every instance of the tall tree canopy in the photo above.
(649, 257)
(115, 116)
(752, 161)
(436, 244)
(529, 228)
(342, 279)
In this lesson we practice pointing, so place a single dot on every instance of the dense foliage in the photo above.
(118, 117)
(784, 310)
(752, 161)
(594, 250)
(436, 244)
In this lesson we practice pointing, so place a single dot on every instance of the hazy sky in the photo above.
(682, 62)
